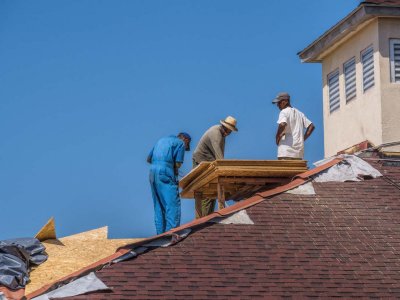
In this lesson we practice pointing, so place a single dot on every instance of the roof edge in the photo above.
(350, 23)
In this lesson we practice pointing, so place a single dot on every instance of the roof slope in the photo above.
(71, 253)
(383, 2)
(343, 241)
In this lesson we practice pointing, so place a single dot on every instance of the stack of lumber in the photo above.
(239, 175)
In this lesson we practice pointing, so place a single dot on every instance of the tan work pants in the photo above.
(203, 207)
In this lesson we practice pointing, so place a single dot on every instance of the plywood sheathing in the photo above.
(72, 253)
(48, 231)
(238, 174)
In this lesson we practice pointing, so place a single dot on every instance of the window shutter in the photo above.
(367, 60)
(349, 70)
(334, 94)
(395, 60)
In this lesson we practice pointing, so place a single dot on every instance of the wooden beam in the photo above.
(234, 176)
(221, 195)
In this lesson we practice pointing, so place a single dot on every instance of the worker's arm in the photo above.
(280, 132)
(309, 130)
(218, 145)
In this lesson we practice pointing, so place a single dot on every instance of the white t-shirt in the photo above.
(292, 143)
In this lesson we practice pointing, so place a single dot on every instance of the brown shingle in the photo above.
(383, 2)
(343, 242)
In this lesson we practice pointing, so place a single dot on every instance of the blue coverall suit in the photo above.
(164, 183)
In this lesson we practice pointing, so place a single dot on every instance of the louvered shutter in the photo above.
(334, 94)
(395, 60)
(349, 70)
(367, 60)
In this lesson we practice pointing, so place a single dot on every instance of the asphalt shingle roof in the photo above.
(383, 2)
(343, 241)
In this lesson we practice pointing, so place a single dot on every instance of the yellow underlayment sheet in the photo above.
(72, 253)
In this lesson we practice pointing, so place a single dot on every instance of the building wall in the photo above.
(360, 119)
(389, 28)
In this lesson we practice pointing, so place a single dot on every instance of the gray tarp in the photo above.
(240, 217)
(304, 189)
(167, 241)
(16, 258)
(86, 284)
(352, 168)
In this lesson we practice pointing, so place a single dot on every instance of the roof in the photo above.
(342, 241)
(359, 17)
(383, 2)
(69, 254)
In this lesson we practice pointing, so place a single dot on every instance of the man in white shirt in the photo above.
(290, 134)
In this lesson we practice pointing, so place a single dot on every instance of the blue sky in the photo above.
(87, 88)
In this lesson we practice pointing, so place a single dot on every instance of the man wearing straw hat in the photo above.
(211, 147)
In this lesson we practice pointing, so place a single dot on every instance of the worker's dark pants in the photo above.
(203, 207)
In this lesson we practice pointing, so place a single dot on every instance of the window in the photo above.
(367, 60)
(349, 70)
(395, 60)
(334, 95)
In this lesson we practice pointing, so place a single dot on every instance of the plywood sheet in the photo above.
(48, 231)
(72, 253)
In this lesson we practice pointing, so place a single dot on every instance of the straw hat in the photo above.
(230, 123)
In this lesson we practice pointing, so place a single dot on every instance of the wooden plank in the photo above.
(250, 172)
(194, 174)
(221, 195)
(48, 231)
(241, 165)
(253, 180)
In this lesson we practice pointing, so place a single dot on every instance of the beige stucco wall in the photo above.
(389, 28)
(361, 118)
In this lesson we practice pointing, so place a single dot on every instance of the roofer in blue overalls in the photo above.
(165, 158)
